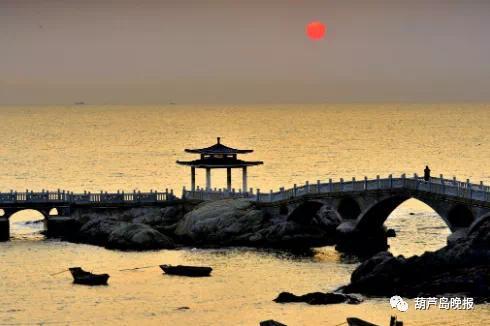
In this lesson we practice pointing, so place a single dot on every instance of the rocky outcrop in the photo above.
(126, 229)
(222, 222)
(318, 298)
(462, 267)
(229, 222)
(361, 242)
(137, 236)
(240, 222)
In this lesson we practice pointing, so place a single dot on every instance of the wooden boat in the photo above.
(352, 321)
(82, 277)
(193, 271)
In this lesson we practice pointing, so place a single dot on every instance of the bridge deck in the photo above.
(454, 188)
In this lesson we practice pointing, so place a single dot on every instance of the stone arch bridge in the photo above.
(364, 205)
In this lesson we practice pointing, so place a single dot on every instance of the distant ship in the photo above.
(79, 103)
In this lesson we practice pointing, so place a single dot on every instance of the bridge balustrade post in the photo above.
(318, 186)
(454, 181)
(404, 178)
(481, 185)
(468, 185)
(171, 194)
(378, 181)
(294, 190)
(391, 180)
(270, 195)
(258, 194)
(307, 186)
(341, 184)
(251, 191)
(365, 183)
(330, 185)
(353, 183)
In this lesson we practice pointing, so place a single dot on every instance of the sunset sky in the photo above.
(243, 51)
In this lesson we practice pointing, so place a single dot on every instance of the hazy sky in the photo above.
(234, 51)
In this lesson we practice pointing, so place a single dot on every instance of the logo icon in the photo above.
(397, 302)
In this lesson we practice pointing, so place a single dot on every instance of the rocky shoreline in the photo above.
(223, 223)
(462, 267)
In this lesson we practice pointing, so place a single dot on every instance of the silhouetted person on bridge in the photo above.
(426, 173)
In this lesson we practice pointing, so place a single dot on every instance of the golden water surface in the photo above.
(111, 147)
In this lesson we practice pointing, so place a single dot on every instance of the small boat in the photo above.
(195, 271)
(82, 277)
(352, 321)
(271, 322)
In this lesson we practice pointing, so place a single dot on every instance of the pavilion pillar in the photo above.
(244, 179)
(228, 179)
(193, 179)
(208, 179)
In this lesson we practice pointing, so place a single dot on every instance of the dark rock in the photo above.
(239, 222)
(462, 267)
(390, 233)
(116, 234)
(362, 243)
(136, 236)
(317, 298)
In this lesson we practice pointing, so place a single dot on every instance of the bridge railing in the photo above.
(67, 197)
(449, 187)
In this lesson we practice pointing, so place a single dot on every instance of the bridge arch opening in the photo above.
(460, 216)
(349, 209)
(27, 224)
(53, 212)
(418, 228)
(305, 212)
(2, 212)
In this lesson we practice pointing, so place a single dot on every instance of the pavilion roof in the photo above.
(214, 162)
(218, 148)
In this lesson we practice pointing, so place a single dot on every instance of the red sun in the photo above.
(316, 30)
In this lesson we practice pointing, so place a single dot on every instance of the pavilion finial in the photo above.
(219, 140)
